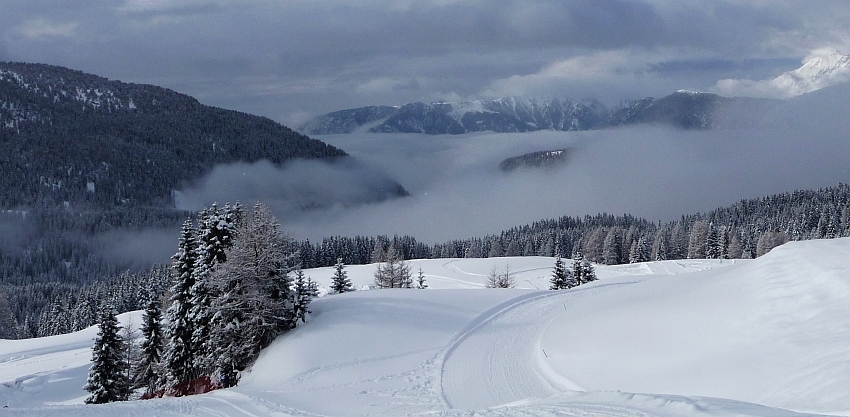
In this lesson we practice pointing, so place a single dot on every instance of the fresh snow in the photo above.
(670, 338)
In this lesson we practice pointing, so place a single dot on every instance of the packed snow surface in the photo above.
(764, 337)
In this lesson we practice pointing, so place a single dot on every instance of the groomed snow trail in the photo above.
(498, 360)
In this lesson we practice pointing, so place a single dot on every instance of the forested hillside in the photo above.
(82, 156)
(747, 229)
(67, 136)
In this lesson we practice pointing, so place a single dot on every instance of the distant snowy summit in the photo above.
(682, 109)
(821, 69)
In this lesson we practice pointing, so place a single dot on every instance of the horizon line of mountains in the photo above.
(682, 109)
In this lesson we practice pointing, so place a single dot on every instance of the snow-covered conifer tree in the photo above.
(149, 370)
(697, 240)
(107, 381)
(216, 231)
(302, 293)
(560, 278)
(588, 272)
(178, 357)
(583, 271)
(638, 250)
(255, 302)
(420, 280)
(394, 272)
(340, 282)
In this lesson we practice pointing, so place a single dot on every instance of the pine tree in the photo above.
(178, 357)
(340, 282)
(638, 251)
(583, 271)
(149, 371)
(736, 249)
(303, 294)
(503, 279)
(659, 246)
(588, 272)
(697, 240)
(216, 231)
(394, 272)
(107, 381)
(561, 279)
(256, 302)
(612, 250)
(420, 280)
(378, 254)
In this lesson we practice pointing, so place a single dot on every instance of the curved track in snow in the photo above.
(498, 360)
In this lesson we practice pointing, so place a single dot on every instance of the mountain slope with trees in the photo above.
(67, 136)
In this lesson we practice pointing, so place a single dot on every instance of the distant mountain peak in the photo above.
(822, 69)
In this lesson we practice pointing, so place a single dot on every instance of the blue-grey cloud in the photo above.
(284, 58)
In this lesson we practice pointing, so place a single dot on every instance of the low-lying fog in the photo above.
(458, 191)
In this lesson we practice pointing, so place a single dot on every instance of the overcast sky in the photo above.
(289, 59)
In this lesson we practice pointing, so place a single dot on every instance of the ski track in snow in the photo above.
(504, 347)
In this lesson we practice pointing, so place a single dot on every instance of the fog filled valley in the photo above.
(636, 270)
(651, 172)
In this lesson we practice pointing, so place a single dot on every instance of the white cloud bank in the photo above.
(821, 68)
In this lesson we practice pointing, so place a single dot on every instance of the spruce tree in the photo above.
(578, 269)
(420, 280)
(148, 373)
(583, 271)
(178, 357)
(302, 296)
(560, 279)
(256, 302)
(216, 231)
(340, 282)
(107, 381)
(588, 272)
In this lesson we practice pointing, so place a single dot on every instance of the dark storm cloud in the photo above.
(282, 59)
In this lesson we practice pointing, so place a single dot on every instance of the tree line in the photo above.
(747, 229)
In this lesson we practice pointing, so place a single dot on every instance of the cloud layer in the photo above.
(290, 59)
(658, 173)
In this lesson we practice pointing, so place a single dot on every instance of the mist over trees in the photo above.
(747, 229)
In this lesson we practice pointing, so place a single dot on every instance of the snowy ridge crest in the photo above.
(506, 114)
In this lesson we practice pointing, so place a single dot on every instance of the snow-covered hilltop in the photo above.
(693, 337)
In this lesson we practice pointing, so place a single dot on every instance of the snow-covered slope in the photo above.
(672, 338)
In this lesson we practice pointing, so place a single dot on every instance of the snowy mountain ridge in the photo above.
(823, 69)
(683, 109)
(506, 114)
